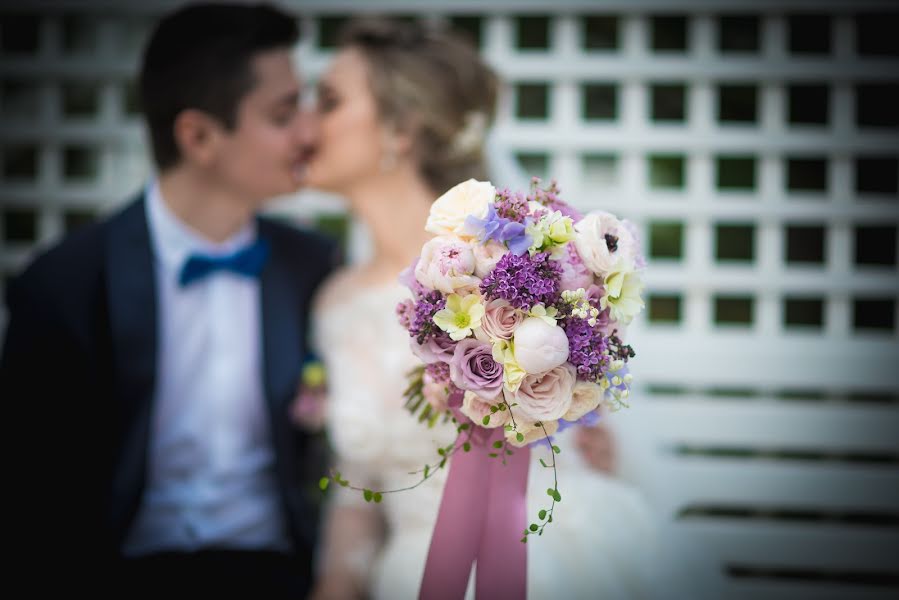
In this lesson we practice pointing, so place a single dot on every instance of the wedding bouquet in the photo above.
(517, 310)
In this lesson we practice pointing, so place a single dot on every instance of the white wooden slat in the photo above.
(799, 546)
(759, 423)
(776, 484)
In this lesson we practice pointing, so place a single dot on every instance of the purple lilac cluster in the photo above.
(421, 323)
(587, 348)
(440, 372)
(511, 206)
(524, 281)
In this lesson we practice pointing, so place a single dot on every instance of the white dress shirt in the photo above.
(211, 477)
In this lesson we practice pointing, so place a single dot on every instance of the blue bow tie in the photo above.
(247, 261)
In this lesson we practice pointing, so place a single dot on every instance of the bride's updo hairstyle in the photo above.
(433, 85)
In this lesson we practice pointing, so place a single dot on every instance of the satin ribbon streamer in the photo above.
(483, 514)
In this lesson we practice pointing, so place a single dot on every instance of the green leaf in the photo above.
(464, 427)
(442, 463)
(486, 420)
(427, 470)
(534, 527)
(493, 410)
(551, 493)
(466, 446)
(519, 436)
(542, 514)
(538, 424)
(367, 494)
(498, 444)
(323, 483)
(441, 451)
(502, 406)
(550, 520)
(508, 427)
(524, 540)
(557, 450)
(557, 496)
(493, 455)
(376, 497)
(509, 452)
(543, 462)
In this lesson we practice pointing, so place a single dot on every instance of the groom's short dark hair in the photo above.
(199, 57)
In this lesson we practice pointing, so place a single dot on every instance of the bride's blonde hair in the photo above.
(433, 85)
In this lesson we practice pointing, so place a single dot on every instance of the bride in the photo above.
(401, 117)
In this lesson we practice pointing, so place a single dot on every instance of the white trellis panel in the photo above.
(749, 142)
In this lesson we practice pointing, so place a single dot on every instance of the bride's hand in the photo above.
(335, 588)
(597, 445)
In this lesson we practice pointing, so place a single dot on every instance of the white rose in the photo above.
(447, 265)
(585, 398)
(540, 346)
(449, 211)
(604, 243)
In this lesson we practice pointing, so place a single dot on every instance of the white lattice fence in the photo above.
(756, 144)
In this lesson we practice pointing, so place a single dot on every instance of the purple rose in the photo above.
(437, 348)
(473, 368)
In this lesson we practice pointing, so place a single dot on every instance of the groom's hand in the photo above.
(597, 445)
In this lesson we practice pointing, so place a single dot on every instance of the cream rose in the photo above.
(540, 346)
(531, 433)
(604, 243)
(544, 397)
(585, 397)
(449, 211)
(476, 408)
(447, 265)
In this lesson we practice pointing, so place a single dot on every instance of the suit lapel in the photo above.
(131, 294)
(281, 330)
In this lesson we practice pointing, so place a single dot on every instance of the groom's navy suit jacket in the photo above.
(77, 381)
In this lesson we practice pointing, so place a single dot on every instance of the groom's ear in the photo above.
(198, 136)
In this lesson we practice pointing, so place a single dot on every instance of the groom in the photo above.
(150, 360)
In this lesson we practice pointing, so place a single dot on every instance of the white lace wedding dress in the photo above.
(601, 541)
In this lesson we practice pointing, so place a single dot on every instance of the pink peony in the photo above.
(540, 346)
(447, 265)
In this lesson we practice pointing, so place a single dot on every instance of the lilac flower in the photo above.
(421, 322)
(511, 206)
(587, 348)
(524, 280)
(495, 227)
(549, 197)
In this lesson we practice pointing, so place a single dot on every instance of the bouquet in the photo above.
(518, 308)
(517, 313)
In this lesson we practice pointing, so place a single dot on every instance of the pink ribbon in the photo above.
(483, 514)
